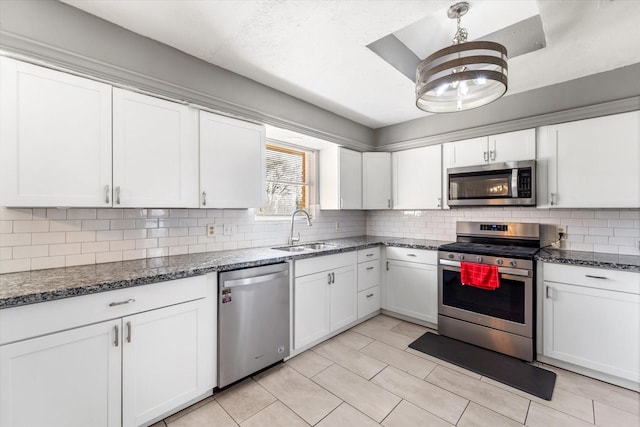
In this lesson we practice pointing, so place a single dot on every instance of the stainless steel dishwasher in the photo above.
(253, 320)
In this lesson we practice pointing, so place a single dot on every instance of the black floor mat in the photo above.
(505, 369)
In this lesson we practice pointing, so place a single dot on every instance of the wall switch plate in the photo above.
(211, 230)
(230, 229)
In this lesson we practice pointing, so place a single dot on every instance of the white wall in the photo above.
(593, 230)
(34, 238)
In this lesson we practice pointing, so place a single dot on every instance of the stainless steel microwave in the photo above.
(495, 184)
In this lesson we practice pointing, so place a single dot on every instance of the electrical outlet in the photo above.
(211, 230)
(562, 230)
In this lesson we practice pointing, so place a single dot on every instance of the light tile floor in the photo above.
(368, 377)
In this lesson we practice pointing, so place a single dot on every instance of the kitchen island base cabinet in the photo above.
(144, 363)
(592, 320)
(411, 286)
(324, 301)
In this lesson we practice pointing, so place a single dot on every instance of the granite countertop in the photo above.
(44, 285)
(590, 259)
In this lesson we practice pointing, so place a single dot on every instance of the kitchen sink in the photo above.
(316, 246)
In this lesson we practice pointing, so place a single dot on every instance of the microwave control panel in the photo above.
(524, 183)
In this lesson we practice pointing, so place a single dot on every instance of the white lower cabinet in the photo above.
(591, 319)
(324, 296)
(368, 281)
(127, 371)
(411, 286)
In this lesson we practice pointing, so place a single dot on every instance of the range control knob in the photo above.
(450, 256)
(479, 259)
(460, 257)
(499, 261)
(512, 263)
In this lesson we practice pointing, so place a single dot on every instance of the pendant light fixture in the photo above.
(462, 76)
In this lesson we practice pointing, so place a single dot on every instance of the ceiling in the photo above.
(316, 50)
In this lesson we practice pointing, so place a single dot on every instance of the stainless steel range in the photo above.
(501, 318)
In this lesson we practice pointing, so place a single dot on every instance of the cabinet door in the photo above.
(411, 289)
(66, 379)
(594, 328)
(155, 152)
(350, 179)
(311, 308)
(376, 180)
(513, 146)
(161, 360)
(592, 163)
(344, 297)
(55, 138)
(468, 152)
(417, 178)
(232, 163)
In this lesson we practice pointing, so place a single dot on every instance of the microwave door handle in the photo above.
(514, 183)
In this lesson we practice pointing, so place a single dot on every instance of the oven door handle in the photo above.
(501, 270)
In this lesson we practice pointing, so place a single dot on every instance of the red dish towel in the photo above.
(479, 275)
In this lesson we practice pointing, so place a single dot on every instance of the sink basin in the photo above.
(316, 246)
(298, 248)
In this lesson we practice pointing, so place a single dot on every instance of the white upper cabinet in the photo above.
(55, 138)
(504, 147)
(417, 178)
(376, 180)
(593, 163)
(340, 178)
(232, 163)
(155, 152)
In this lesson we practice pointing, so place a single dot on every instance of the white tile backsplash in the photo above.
(32, 239)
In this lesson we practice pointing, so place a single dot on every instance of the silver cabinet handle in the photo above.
(204, 198)
(370, 254)
(333, 277)
(388, 203)
(485, 155)
(106, 194)
(551, 196)
(329, 278)
(492, 154)
(117, 337)
(370, 268)
(595, 277)
(118, 195)
(369, 295)
(341, 202)
(548, 292)
(387, 265)
(439, 201)
(412, 255)
(130, 300)
(128, 331)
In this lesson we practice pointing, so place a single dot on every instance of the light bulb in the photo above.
(464, 89)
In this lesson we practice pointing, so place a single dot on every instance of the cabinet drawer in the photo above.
(368, 274)
(317, 264)
(32, 320)
(369, 254)
(368, 301)
(413, 255)
(613, 280)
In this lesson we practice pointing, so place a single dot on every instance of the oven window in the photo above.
(483, 185)
(507, 302)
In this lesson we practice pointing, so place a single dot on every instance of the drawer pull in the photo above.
(595, 277)
(116, 338)
(113, 304)
(412, 255)
(369, 295)
(370, 268)
(548, 292)
(370, 254)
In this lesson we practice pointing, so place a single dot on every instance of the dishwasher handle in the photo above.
(254, 280)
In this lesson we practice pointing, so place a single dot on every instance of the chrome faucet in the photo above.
(292, 239)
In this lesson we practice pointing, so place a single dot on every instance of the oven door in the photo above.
(508, 308)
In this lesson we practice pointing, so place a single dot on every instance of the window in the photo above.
(287, 180)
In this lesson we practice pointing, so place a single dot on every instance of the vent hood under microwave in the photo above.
(495, 184)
